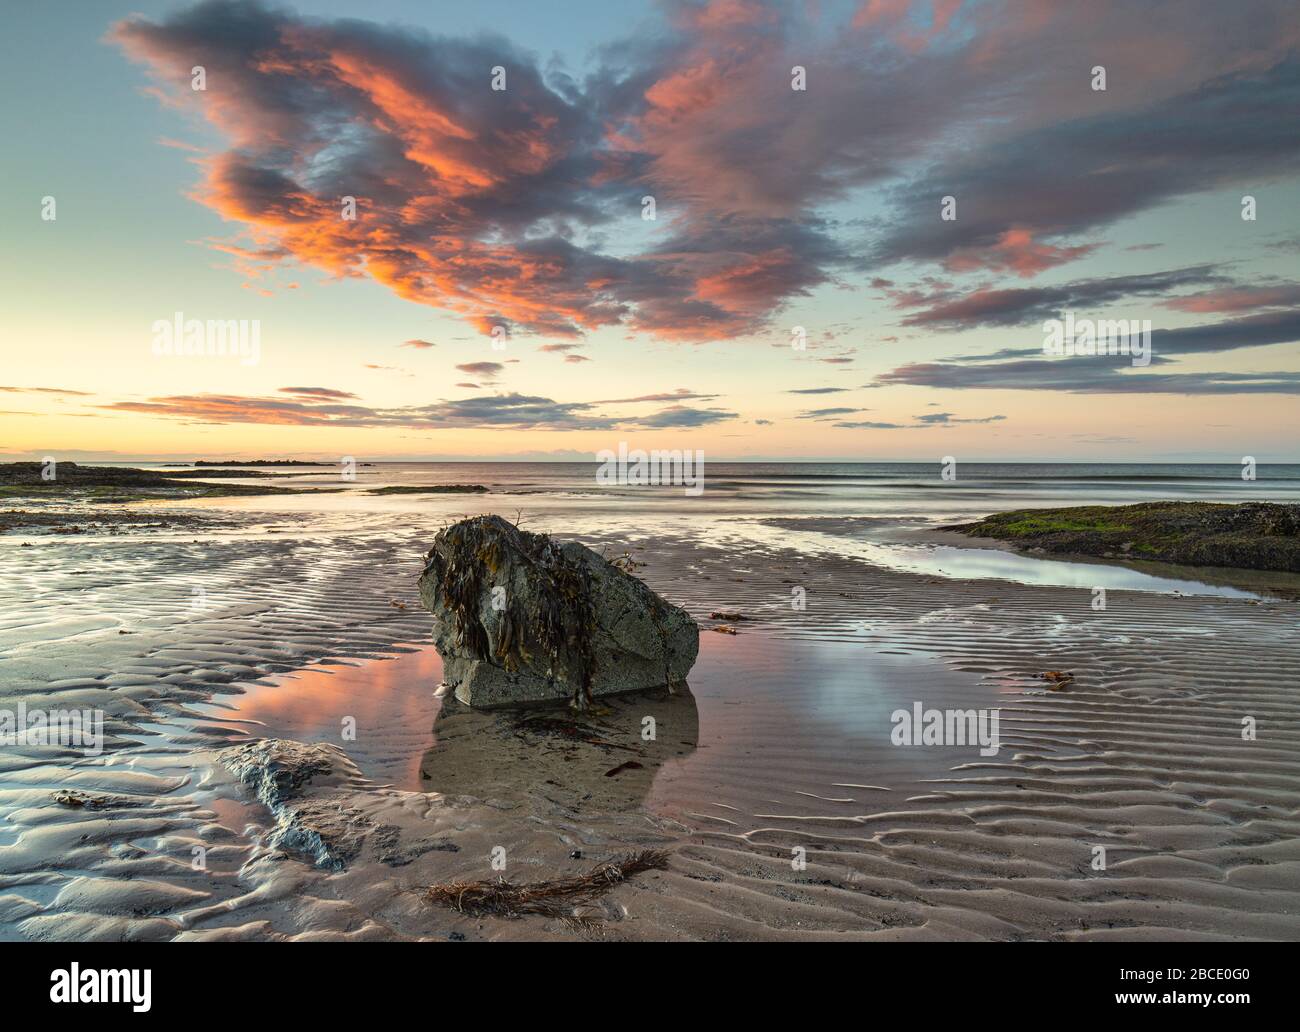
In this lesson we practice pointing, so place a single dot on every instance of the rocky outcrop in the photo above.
(1249, 535)
(521, 618)
(280, 772)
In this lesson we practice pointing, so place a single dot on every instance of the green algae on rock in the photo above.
(1249, 535)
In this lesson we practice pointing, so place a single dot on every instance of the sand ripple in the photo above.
(1141, 755)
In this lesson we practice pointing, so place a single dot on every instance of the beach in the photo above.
(1150, 794)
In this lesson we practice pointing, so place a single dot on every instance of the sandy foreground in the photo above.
(194, 642)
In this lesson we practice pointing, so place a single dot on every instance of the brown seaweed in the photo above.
(558, 625)
(555, 898)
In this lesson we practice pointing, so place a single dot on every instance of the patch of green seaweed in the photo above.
(1247, 535)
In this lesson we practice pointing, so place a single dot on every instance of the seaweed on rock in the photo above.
(558, 625)
(521, 617)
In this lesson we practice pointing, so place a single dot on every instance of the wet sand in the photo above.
(781, 745)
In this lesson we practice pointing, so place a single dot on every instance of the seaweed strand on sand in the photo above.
(553, 898)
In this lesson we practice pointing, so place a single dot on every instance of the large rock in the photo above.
(521, 618)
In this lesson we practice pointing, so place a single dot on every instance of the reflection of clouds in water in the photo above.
(783, 722)
(391, 701)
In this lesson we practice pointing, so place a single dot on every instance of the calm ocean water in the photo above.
(879, 489)
(878, 512)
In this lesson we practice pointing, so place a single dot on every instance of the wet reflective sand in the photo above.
(292, 621)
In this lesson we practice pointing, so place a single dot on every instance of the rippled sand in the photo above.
(779, 749)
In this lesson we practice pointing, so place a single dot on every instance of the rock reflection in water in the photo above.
(603, 760)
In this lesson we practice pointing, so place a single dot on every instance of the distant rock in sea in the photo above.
(521, 618)
(263, 462)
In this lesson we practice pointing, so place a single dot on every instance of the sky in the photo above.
(819, 230)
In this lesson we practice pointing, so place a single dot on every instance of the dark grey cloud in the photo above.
(317, 392)
(679, 395)
(1078, 175)
(948, 419)
(683, 416)
(1250, 331)
(823, 413)
(817, 390)
(1019, 305)
(1084, 376)
(1028, 368)
(921, 422)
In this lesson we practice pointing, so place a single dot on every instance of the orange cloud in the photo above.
(1016, 251)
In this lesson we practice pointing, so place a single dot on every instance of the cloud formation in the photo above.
(479, 201)
(1080, 375)
(1014, 200)
(483, 370)
(498, 205)
(514, 411)
(317, 392)
(986, 306)
(46, 390)
(824, 413)
(817, 390)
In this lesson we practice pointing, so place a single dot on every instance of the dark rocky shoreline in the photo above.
(70, 480)
(1249, 536)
